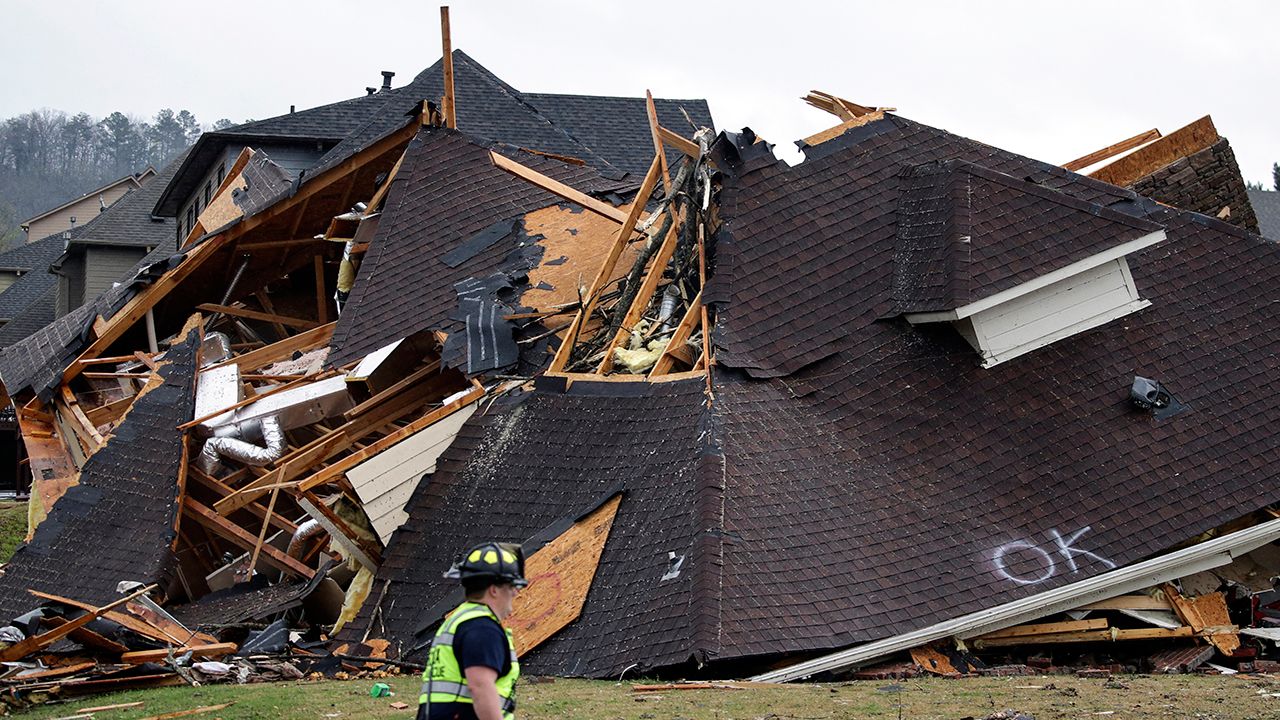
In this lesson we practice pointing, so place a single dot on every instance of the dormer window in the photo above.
(1011, 265)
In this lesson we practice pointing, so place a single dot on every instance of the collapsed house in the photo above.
(913, 395)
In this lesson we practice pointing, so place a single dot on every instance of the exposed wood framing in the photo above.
(658, 150)
(25, 647)
(400, 386)
(606, 269)
(256, 315)
(841, 108)
(265, 301)
(557, 188)
(322, 298)
(643, 296)
(238, 536)
(838, 130)
(678, 141)
(1108, 635)
(222, 489)
(1112, 150)
(138, 657)
(450, 113)
(1130, 602)
(1048, 628)
(262, 534)
(363, 550)
(1163, 152)
(282, 350)
(109, 413)
(677, 347)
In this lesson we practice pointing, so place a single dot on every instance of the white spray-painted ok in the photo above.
(1061, 546)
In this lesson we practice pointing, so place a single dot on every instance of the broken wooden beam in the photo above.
(1112, 150)
(557, 188)
(243, 539)
(25, 647)
(258, 315)
(213, 650)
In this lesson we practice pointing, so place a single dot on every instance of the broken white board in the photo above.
(1159, 618)
(385, 481)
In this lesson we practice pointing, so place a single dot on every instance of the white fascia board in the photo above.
(1187, 561)
(1045, 280)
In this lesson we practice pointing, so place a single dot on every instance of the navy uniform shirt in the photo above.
(478, 642)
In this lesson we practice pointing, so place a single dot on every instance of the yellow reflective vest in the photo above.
(444, 682)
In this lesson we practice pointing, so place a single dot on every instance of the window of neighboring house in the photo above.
(222, 174)
(191, 220)
(207, 187)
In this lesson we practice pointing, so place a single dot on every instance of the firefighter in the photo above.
(472, 668)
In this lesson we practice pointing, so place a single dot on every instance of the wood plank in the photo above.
(362, 549)
(262, 534)
(447, 103)
(87, 637)
(333, 471)
(322, 299)
(223, 490)
(1113, 634)
(77, 413)
(117, 706)
(557, 188)
(679, 142)
(257, 315)
(394, 390)
(25, 647)
(560, 575)
(265, 301)
(1161, 153)
(1207, 614)
(842, 128)
(137, 657)
(282, 350)
(692, 319)
(1048, 628)
(53, 672)
(238, 536)
(607, 268)
(188, 713)
(656, 136)
(641, 301)
(1112, 150)
(1129, 602)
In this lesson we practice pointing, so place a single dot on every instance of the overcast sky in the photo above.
(1054, 81)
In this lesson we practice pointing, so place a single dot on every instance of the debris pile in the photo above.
(878, 406)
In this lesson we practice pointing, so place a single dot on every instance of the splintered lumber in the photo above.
(257, 315)
(50, 673)
(240, 537)
(838, 106)
(25, 647)
(838, 130)
(188, 713)
(282, 350)
(1207, 614)
(1161, 153)
(555, 187)
(606, 270)
(365, 552)
(642, 298)
(223, 490)
(138, 657)
(109, 413)
(678, 141)
(447, 102)
(1109, 635)
(123, 619)
(117, 706)
(1112, 150)
(560, 575)
(400, 386)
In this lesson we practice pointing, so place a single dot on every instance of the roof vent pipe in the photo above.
(386, 79)
(370, 90)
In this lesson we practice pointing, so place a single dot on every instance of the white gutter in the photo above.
(1204, 556)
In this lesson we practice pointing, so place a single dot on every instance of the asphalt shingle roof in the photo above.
(1266, 205)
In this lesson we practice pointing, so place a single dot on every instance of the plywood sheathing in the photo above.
(560, 575)
(1207, 615)
(575, 244)
(1163, 152)
(835, 132)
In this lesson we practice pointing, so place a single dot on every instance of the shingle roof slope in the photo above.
(1266, 205)
(558, 453)
(118, 522)
(617, 128)
(29, 320)
(486, 107)
(446, 191)
(965, 233)
(36, 257)
(129, 221)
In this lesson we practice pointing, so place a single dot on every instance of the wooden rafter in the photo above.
(641, 301)
(677, 345)
(555, 187)
(654, 132)
(243, 539)
(679, 142)
(450, 112)
(607, 268)
(844, 109)
(256, 315)
(284, 349)
(1112, 150)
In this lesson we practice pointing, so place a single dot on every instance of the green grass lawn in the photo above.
(13, 527)
(1047, 698)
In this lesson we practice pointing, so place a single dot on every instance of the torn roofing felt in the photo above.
(965, 232)
(441, 226)
(890, 482)
(118, 522)
(558, 453)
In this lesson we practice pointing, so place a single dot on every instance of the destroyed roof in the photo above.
(1266, 205)
(446, 191)
(879, 480)
(617, 128)
(965, 232)
(118, 522)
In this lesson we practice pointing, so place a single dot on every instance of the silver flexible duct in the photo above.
(216, 448)
(306, 531)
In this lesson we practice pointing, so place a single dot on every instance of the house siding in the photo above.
(107, 265)
(83, 210)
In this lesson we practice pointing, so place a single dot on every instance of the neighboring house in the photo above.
(109, 249)
(24, 274)
(308, 141)
(84, 208)
(1266, 205)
